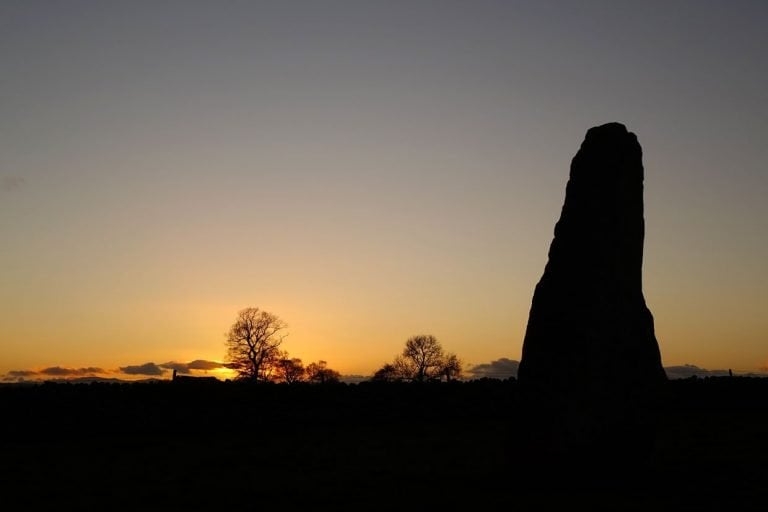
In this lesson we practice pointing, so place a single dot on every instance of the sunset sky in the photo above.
(365, 170)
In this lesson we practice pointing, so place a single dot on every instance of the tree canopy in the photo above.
(253, 344)
(422, 359)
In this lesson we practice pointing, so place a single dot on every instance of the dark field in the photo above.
(181, 446)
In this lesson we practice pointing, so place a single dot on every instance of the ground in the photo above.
(166, 446)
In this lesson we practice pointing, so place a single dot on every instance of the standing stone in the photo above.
(590, 334)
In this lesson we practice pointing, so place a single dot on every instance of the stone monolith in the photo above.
(590, 334)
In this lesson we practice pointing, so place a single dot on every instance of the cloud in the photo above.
(688, 370)
(179, 367)
(499, 369)
(504, 368)
(197, 364)
(143, 369)
(52, 371)
(18, 375)
(200, 364)
(58, 371)
(21, 373)
(10, 183)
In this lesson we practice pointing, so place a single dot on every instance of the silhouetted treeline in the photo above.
(203, 444)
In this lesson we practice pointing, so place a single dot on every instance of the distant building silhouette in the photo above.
(188, 379)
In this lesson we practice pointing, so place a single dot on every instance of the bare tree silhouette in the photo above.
(320, 373)
(422, 358)
(253, 344)
(290, 371)
(452, 367)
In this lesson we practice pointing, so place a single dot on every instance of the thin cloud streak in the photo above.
(58, 371)
(149, 369)
(200, 364)
(143, 369)
(197, 364)
(53, 371)
(21, 373)
(503, 368)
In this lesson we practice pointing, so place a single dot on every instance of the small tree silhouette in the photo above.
(319, 372)
(422, 359)
(452, 367)
(387, 373)
(290, 370)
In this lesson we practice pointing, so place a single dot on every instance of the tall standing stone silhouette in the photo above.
(590, 333)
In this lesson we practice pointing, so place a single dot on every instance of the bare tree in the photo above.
(452, 367)
(253, 344)
(405, 368)
(320, 373)
(290, 370)
(422, 358)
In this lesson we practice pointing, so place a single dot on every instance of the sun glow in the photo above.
(221, 373)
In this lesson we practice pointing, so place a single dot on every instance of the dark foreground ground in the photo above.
(173, 446)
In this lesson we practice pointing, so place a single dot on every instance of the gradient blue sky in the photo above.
(365, 170)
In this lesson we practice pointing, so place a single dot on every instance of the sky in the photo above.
(365, 170)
